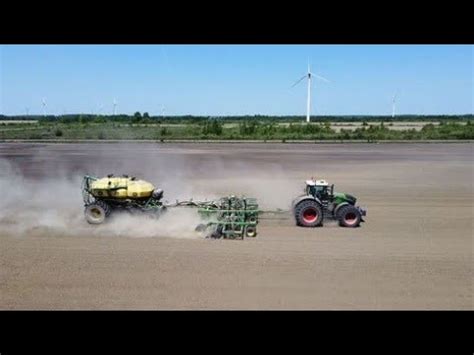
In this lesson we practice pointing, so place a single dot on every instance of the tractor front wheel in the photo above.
(349, 216)
(308, 213)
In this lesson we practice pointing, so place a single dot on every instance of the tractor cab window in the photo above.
(321, 191)
(317, 190)
(320, 188)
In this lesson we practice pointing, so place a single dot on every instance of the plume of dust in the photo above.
(272, 186)
(53, 206)
(178, 223)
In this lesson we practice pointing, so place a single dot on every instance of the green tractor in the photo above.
(321, 202)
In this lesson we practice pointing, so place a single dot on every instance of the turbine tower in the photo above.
(309, 75)
(115, 105)
(43, 103)
(393, 104)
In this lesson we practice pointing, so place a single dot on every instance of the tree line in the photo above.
(249, 129)
(138, 117)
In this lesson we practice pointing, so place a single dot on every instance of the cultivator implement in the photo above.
(229, 217)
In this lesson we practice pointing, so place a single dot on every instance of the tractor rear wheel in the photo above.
(349, 216)
(308, 213)
(96, 212)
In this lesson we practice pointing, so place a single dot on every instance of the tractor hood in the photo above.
(345, 197)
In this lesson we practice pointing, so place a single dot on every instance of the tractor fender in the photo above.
(297, 200)
(338, 207)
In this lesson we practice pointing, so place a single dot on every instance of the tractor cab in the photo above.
(319, 189)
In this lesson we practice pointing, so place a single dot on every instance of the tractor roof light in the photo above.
(317, 183)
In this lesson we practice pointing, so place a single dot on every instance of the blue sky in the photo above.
(236, 79)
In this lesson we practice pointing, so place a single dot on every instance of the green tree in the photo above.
(137, 117)
(213, 127)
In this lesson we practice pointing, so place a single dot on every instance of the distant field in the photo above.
(402, 125)
(244, 130)
(337, 126)
(18, 122)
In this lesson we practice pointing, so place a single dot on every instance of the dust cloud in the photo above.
(50, 201)
(54, 207)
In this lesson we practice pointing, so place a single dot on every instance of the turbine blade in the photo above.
(320, 77)
(299, 80)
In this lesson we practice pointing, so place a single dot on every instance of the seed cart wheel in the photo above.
(308, 213)
(200, 227)
(250, 231)
(349, 216)
(96, 212)
(217, 232)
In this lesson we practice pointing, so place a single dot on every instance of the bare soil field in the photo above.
(415, 250)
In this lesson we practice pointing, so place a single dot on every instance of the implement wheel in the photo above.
(250, 231)
(96, 212)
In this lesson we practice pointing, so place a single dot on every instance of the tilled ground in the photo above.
(413, 252)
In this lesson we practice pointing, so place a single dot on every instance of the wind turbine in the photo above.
(115, 105)
(162, 111)
(309, 75)
(393, 104)
(27, 111)
(43, 103)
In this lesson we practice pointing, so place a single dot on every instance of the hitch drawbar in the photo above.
(362, 210)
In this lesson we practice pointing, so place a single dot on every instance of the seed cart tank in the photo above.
(102, 196)
(121, 188)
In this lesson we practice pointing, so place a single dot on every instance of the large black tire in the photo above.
(96, 212)
(349, 216)
(308, 213)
